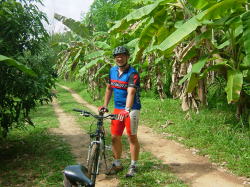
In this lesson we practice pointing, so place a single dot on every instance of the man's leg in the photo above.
(134, 147)
(134, 150)
(117, 128)
(132, 127)
(117, 146)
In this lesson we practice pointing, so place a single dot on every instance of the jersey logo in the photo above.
(135, 78)
(119, 84)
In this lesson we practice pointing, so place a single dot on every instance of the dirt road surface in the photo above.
(78, 140)
(197, 171)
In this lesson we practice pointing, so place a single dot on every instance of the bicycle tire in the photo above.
(93, 162)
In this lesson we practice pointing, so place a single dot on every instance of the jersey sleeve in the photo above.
(134, 80)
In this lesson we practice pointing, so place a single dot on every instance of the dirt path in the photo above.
(194, 170)
(78, 140)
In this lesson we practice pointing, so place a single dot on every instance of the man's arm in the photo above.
(108, 95)
(134, 83)
(130, 97)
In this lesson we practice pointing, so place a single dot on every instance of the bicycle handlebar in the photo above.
(87, 114)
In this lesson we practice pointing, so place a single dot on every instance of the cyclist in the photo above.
(125, 83)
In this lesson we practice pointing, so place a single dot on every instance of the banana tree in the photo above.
(195, 36)
(87, 58)
(229, 19)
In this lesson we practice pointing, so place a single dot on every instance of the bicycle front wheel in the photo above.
(93, 162)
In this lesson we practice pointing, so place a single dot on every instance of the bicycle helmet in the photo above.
(120, 50)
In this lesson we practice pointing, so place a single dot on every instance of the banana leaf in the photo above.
(94, 55)
(100, 70)
(77, 55)
(84, 69)
(198, 4)
(221, 9)
(192, 83)
(11, 62)
(234, 85)
(152, 28)
(196, 69)
(103, 45)
(137, 14)
(177, 36)
(132, 43)
(149, 32)
(75, 26)
(246, 36)
(191, 25)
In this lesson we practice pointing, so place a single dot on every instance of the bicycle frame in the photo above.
(77, 174)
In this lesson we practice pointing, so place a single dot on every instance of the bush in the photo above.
(24, 39)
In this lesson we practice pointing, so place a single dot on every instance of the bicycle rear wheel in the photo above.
(93, 162)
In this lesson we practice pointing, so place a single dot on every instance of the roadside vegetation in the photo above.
(214, 132)
(31, 156)
(26, 62)
(194, 63)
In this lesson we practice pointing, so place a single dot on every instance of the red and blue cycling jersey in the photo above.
(120, 84)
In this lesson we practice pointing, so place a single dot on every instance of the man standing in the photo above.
(125, 83)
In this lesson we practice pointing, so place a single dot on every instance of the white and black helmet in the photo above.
(120, 50)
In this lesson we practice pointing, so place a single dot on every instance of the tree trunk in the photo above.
(202, 92)
(179, 71)
(159, 84)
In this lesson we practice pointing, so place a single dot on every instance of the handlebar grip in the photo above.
(78, 110)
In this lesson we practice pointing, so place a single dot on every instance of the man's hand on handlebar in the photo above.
(103, 109)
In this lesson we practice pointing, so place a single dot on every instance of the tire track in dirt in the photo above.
(78, 141)
(195, 170)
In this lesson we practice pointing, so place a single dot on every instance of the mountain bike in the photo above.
(79, 175)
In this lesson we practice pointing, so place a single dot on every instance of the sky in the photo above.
(70, 8)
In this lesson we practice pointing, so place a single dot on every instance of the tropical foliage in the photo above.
(25, 63)
(196, 43)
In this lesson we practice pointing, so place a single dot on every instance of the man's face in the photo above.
(121, 59)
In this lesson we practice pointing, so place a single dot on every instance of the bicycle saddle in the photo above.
(76, 174)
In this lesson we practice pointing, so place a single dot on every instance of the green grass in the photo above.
(215, 132)
(82, 90)
(152, 171)
(33, 157)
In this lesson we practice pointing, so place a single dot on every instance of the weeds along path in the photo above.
(78, 140)
(194, 170)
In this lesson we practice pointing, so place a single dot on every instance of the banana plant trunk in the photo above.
(159, 83)
(179, 70)
(202, 92)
